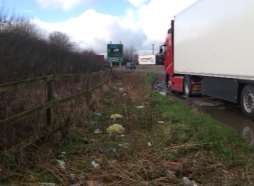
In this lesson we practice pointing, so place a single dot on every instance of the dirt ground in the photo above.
(151, 143)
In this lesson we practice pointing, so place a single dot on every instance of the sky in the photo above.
(93, 23)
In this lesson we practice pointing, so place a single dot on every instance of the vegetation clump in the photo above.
(26, 52)
(187, 146)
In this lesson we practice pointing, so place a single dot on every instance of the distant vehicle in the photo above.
(209, 51)
(160, 56)
(147, 60)
(130, 65)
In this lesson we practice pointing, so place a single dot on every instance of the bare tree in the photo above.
(61, 40)
(129, 54)
(26, 53)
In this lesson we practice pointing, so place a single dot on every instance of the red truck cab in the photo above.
(177, 82)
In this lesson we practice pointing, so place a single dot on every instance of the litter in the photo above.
(149, 144)
(161, 122)
(97, 131)
(95, 164)
(248, 135)
(98, 114)
(121, 89)
(124, 145)
(116, 116)
(47, 184)
(115, 129)
(61, 164)
(140, 107)
(188, 182)
(62, 155)
(163, 93)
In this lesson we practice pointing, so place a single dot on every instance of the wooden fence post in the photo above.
(50, 97)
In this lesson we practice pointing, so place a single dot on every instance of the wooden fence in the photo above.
(101, 77)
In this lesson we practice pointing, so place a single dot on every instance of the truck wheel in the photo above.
(167, 80)
(247, 100)
(187, 87)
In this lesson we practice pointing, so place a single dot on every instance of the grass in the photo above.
(150, 78)
(187, 143)
(193, 127)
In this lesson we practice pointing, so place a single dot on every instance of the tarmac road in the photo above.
(157, 69)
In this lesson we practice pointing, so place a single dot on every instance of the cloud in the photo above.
(155, 17)
(94, 30)
(139, 27)
(137, 3)
(63, 4)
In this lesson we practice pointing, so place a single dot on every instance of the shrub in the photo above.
(25, 52)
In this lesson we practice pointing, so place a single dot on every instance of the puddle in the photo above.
(202, 103)
(227, 113)
(231, 116)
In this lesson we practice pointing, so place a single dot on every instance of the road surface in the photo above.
(157, 69)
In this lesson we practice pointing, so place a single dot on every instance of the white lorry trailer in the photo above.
(209, 49)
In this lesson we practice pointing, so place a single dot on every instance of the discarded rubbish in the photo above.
(125, 94)
(62, 155)
(47, 184)
(140, 107)
(116, 116)
(188, 182)
(161, 122)
(114, 150)
(124, 145)
(98, 114)
(149, 144)
(121, 89)
(95, 164)
(115, 129)
(171, 174)
(163, 93)
(61, 164)
(97, 131)
(248, 135)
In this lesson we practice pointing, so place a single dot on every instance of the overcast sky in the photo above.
(93, 23)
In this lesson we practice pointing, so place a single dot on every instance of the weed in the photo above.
(73, 142)
(190, 127)
(150, 78)
(187, 144)
(43, 177)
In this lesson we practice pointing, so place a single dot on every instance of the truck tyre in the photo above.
(167, 80)
(187, 86)
(247, 100)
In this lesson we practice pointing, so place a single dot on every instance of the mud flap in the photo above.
(222, 88)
